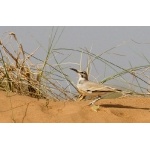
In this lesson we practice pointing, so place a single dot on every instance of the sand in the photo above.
(18, 108)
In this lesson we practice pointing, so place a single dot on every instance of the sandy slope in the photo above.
(26, 109)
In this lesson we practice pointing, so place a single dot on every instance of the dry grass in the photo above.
(43, 79)
(18, 74)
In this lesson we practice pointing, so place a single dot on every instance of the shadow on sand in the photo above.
(121, 106)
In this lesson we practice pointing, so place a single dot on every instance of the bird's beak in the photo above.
(74, 70)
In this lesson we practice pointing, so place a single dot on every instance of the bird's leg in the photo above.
(81, 97)
(93, 102)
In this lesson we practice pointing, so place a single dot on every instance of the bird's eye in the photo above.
(83, 72)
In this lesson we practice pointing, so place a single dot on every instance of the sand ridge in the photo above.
(25, 109)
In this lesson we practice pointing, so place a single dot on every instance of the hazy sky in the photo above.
(98, 39)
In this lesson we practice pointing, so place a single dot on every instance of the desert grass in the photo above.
(18, 74)
(26, 74)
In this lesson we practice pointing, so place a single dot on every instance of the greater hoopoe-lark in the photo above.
(89, 88)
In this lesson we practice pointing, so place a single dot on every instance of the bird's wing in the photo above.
(95, 87)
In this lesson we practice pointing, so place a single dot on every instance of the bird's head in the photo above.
(82, 74)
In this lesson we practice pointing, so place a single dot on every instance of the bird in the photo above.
(90, 88)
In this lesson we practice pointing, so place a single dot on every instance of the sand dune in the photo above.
(17, 108)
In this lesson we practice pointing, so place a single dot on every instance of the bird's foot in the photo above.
(93, 102)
